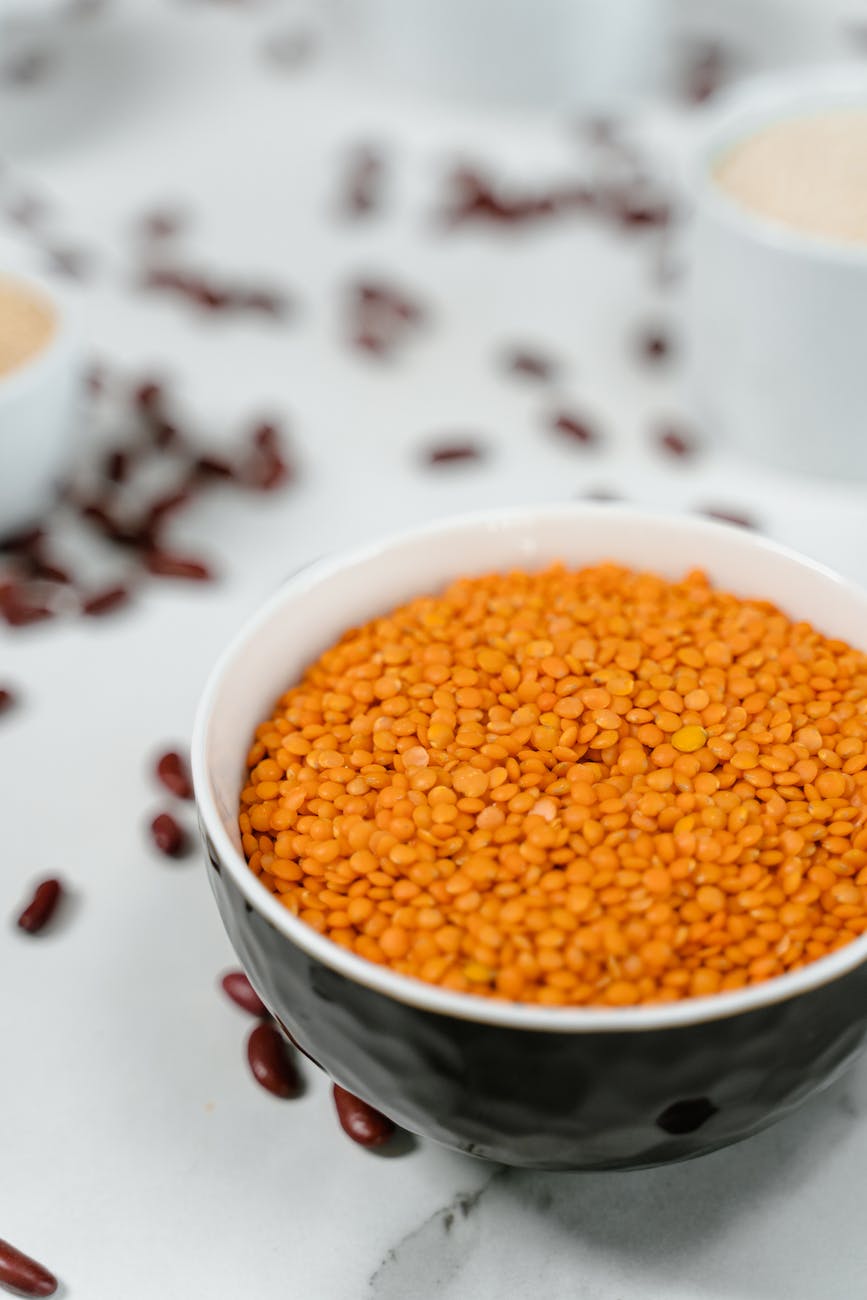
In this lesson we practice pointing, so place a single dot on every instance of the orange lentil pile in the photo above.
(572, 787)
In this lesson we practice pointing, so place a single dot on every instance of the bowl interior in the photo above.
(317, 605)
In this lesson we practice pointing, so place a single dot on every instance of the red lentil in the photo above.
(571, 787)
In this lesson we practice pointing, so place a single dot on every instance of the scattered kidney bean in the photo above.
(172, 771)
(166, 505)
(212, 467)
(168, 836)
(362, 186)
(7, 699)
(116, 466)
(531, 364)
(448, 453)
(237, 987)
(675, 442)
(212, 296)
(18, 609)
(574, 427)
(166, 564)
(148, 396)
(706, 70)
(654, 345)
(104, 602)
(41, 907)
(22, 1274)
(161, 223)
(380, 316)
(366, 1126)
(25, 540)
(270, 1062)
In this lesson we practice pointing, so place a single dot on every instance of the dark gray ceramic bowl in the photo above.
(537, 1086)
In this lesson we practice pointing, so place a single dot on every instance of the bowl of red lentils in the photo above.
(545, 831)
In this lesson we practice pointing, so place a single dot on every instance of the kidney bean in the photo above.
(270, 1062)
(575, 428)
(168, 836)
(162, 223)
(7, 699)
(172, 771)
(41, 907)
(149, 395)
(655, 345)
(674, 442)
(23, 541)
(213, 467)
(17, 609)
(363, 183)
(165, 564)
(448, 453)
(531, 364)
(237, 987)
(166, 505)
(23, 1274)
(366, 1126)
(105, 601)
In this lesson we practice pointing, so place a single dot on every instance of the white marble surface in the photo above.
(138, 1158)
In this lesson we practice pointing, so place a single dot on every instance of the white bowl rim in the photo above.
(32, 369)
(466, 1006)
(761, 101)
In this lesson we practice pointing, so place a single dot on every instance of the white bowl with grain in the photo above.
(39, 375)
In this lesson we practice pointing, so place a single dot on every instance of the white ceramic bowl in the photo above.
(776, 319)
(37, 408)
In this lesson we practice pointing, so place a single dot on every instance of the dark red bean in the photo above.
(172, 771)
(366, 1126)
(368, 341)
(164, 434)
(213, 467)
(116, 466)
(104, 602)
(7, 699)
(531, 364)
(166, 505)
(44, 571)
(162, 223)
(574, 428)
(24, 541)
(266, 437)
(148, 396)
(674, 442)
(22, 1274)
(272, 1066)
(362, 186)
(41, 907)
(237, 987)
(706, 70)
(727, 516)
(655, 345)
(165, 564)
(448, 453)
(168, 836)
(267, 302)
(18, 609)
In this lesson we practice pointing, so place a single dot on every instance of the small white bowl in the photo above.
(37, 405)
(775, 318)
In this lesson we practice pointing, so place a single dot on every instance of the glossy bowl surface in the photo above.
(538, 1086)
